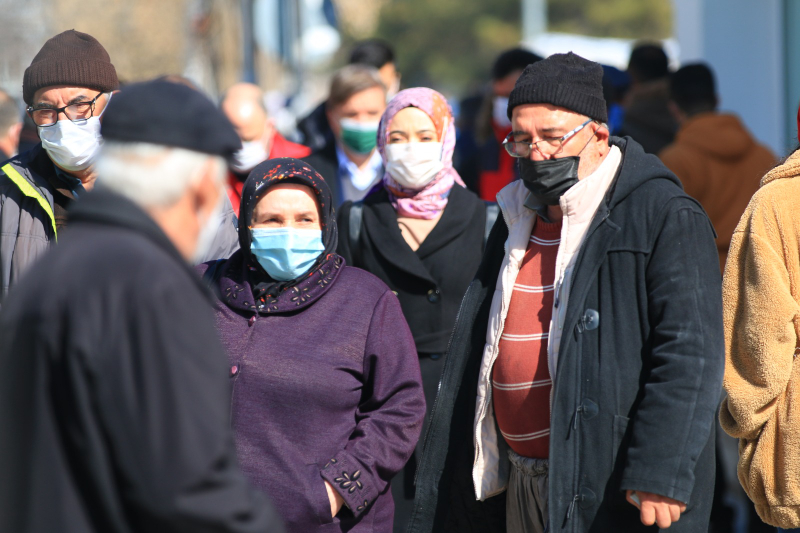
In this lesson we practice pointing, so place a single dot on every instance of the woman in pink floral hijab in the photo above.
(429, 201)
(422, 233)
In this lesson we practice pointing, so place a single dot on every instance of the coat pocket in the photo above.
(317, 495)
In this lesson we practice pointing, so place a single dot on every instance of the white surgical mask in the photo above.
(208, 231)
(251, 154)
(500, 111)
(73, 146)
(414, 165)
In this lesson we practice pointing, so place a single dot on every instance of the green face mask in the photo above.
(360, 137)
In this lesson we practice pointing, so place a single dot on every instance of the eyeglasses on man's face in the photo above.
(79, 112)
(546, 147)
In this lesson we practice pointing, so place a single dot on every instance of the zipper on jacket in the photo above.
(572, 506)
(495, 350)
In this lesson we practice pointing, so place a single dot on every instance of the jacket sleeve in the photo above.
(170, 432)
(762, 325)
(389, 419)
(683, 369)
(226, 238)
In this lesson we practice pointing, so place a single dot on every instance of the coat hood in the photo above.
(637, 168)
(790, 168)
(719, 135)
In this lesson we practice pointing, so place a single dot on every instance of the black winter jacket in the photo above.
(639, 374)
(114, 392)
(431, 281)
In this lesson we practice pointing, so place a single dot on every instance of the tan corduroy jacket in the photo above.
(761, 302)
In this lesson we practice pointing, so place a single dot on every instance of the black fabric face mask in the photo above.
(548, 180)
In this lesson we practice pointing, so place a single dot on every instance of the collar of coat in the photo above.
(790, 168)
(236, 291)
(106, 208)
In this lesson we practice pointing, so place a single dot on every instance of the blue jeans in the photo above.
(793, 530)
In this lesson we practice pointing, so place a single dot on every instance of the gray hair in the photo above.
(152, 175)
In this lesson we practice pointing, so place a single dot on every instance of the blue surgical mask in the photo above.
(286, 253)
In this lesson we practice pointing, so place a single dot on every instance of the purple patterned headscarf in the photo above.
(431, 200)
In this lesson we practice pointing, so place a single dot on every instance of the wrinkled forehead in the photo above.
(533, 118)
(58, 95)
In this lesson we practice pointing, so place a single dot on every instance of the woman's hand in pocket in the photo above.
(335, 498)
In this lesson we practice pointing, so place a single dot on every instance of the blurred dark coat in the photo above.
(430, 281)
(647, 116)
(27, 227)
(114, 413)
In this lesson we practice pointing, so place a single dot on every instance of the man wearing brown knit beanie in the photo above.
(585, 367)
(66, 88)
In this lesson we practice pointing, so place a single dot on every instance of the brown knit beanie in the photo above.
(70, 58)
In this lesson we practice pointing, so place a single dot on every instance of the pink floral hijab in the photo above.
(430, 201)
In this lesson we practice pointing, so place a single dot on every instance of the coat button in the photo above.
(588, 498)
(433, 296)
(591, 319)
(234, 370)
(589, 409)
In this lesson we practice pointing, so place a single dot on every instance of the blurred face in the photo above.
(536, 122)
(412, 125)
(248, 119)
(390, 78)
(289, 205)
(365, 106)
(504, 86)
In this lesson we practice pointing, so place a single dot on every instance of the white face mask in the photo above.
(251, 154)
(73, 146)
(414, 165)
(500, 111)
(208, 231)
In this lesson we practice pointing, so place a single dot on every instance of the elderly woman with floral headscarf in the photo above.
(327, 403)
(421, 232)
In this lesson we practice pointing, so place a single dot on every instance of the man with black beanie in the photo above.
(66, 89)
(114, 392)
(586, 363)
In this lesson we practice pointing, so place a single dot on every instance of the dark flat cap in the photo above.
(170, 114)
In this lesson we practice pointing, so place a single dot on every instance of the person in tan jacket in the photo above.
(761, 304)
(715, 157)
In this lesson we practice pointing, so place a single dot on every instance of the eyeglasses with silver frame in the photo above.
(546, 147)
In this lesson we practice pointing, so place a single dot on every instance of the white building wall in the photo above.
(743, 42)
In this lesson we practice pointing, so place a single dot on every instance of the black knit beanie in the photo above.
(563, 80)
(70, 58)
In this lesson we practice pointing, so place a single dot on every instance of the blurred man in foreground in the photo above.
(114, 399)
(243, 104)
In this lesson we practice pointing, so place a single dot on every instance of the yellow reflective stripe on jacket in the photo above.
(28, 190)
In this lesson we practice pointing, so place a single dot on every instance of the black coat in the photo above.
(639, 373)
(431, 281)
(326, 163)
(114, 394)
